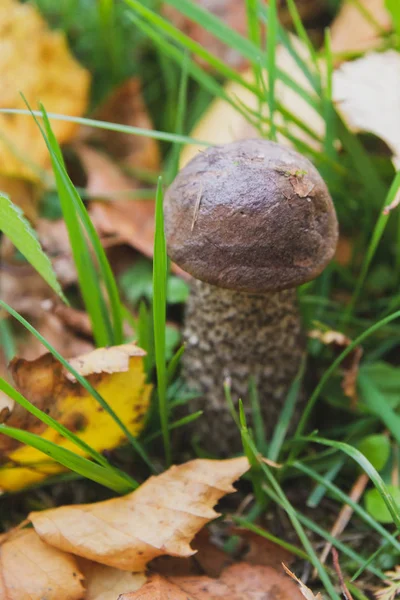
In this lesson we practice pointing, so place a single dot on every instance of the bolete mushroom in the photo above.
(250, 221)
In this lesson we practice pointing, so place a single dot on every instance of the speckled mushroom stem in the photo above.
(236, 334)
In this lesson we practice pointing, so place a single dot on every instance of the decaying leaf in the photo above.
(352, 31)
(36, 61)
(161, 517)
(367, 92)
(306, 592)
(116, 373)
(238, 582)
(32, 570)
(107, 583)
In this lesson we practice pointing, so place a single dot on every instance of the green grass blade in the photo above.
(109, 478)
(66, 187)
(174, 363)
(345, 499)
(180, 119)
(314, 396)
(368, 468)
(234, 40)
(285, 417)
(378, 405)
(18, 229)
(373, 245)
(292, 514)
(159, 317)
(162, 136)
(271, 63)
(7, 343)
(134, 442)
(257, 418)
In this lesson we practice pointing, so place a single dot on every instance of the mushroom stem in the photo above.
(237, 335)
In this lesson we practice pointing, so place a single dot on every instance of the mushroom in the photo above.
(250, 221)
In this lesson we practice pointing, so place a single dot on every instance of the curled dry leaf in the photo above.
(353, 32)
(237, 582)
(161, 517)
(107, 583)
(36, 61)
(116, 373)
(32, 570)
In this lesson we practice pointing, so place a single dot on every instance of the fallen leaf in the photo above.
(306, 592)
(351, 31)
(126, 106)
(32, 570)
(161, 517)
(116, 373)
(36, 61)
(237, 582)
(106, 583)
(392, 588)
(367, 92)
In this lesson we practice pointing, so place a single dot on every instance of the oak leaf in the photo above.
(32, 570)
(117, 373)
(37, 62)
(161, 517)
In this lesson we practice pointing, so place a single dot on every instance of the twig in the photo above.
(339, 573)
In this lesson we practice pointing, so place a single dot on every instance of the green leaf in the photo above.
(376, 448)
(16, 227)
(377, 404)
(376, 506)
(386, 378)
(177, 290)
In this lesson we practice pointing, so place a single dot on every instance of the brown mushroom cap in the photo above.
(251, 216)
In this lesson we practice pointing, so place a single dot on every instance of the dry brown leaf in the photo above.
(106, 583)
(32, 570)
(238, 582)
(117, 373)
(36, 61)
(126, 106)
(161, 517)
(367, 93)
(306, 592)
(352, 32)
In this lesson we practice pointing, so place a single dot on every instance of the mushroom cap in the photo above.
(251, 216)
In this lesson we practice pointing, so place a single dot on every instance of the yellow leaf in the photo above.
(37, 62)
(116, 373)
(32, 570)
(161, 517)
